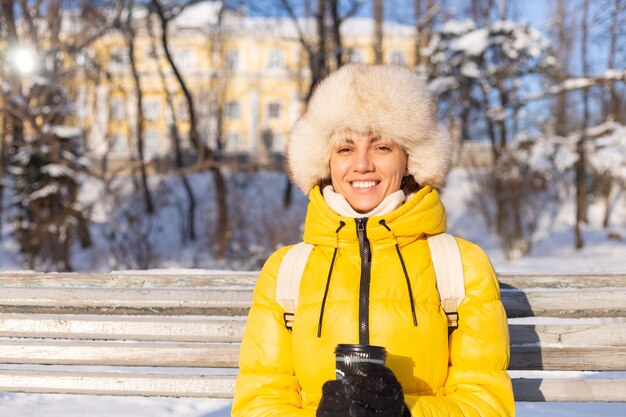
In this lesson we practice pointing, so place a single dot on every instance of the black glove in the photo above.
(376, 394)
(334, 402)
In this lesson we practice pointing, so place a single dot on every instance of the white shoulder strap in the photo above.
(448, 266)
(289, 276)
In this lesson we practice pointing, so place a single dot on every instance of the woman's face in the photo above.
(365, 169)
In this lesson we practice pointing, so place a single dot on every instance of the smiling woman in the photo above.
(365, 169)
(370, 154)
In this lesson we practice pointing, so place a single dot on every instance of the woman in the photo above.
(370, 155)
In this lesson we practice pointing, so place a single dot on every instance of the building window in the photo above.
(185, 59)
(356, 57)
(233, 110)
(151, 144)
(232, 60)
(118, 143)
(273, 110)
(118, 59)
(275, 59)
(397, 58)
(233, 142)
(181, 108)
(152, 108)
(117, 110)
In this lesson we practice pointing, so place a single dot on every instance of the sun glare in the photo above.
(22, 59)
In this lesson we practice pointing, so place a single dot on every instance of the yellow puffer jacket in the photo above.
(281, 373)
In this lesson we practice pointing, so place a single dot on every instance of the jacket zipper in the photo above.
(364, 289)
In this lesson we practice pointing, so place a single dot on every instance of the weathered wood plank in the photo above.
(179, 279)
(578, 390)
(230, 329)
(562, 281)
(72, 352)
(153, 328)
(163, 385)
(575, 334)
(200, 278)
(600, 302)
(594, 302)
(197, 301)
(222, 386)
(224, 355)
(567, 358)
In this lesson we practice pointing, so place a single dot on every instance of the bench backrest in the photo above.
(179, 334)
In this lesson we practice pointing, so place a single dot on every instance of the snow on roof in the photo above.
(199, 15)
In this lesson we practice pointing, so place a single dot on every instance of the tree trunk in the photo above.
(417, 11)
(563, 50)
(190, 229)
(378, 31)
(613, 98)
(130, 38)
(581, 195)
(337, 41)
(204, 152)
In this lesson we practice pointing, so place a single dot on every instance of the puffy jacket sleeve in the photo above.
(477, 382)
(266, 384)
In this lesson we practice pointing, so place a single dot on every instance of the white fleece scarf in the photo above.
(340, 205)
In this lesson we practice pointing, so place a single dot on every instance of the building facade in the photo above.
(248, 77)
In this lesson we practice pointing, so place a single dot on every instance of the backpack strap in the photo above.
(288, 281)
(448, 265)
(447, 262)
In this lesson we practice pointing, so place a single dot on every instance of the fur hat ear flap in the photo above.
(387, 99)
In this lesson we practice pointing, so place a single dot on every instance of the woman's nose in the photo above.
(362, 162)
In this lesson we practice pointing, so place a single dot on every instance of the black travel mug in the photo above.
(350, 357)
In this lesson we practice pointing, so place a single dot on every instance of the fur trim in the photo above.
(390, 101)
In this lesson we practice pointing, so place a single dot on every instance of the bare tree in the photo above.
(140, 120)
(424, 22)
(204, 152)
(580, 169)
(614, 101)
(378, 31)
(175, 136)
(563, 40)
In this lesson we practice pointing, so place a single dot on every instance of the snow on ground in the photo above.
(552, 253)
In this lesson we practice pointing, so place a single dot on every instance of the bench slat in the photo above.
(206, 301)
(154, 328)
(562, 281)
(230, 329)
(73, 352)
(131, 280)
(573, 303)
(182, 279)
(576, 390)
(222, 386)
(196, 301)
(575, 334)
(165, 385)
(225, 355)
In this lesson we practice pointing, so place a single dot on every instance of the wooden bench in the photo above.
(179, 334)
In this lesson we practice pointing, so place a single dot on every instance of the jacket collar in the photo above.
(423, 214)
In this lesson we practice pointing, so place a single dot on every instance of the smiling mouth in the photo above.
(364, 184)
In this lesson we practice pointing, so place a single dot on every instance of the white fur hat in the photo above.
(390, 101)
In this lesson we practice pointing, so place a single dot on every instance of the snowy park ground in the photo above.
(552, 254)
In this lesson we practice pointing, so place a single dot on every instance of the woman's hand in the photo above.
(375, 393)
(334, 402)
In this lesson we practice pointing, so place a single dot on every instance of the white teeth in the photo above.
(363, 184)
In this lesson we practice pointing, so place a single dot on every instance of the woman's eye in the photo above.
(384, 148)
(343, 150)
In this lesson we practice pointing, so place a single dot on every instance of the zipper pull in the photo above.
(361, 233)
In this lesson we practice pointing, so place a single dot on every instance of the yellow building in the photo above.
(248, 77)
